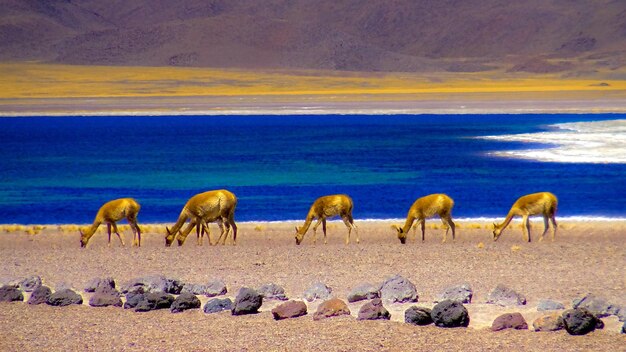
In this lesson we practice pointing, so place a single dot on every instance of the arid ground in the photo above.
(587, 257)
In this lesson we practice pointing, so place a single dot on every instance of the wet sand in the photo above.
(587, 257)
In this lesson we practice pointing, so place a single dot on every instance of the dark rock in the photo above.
(374, 310)
(40, 295)
(317, 291)
(599, 324)
(363, 292)
(624, 328)
(509, 321)
(64, 298)
(101, 299)
(133, 299)
(248, 301)
(106, 284)
(272, 291)
(155, 283)
(217, 305)
(598, 306)
(29, 284)
(397, 289)
(551, 322)
(450, 314)
(504, 296)
(622, 313)
(184, 302)
(418, 316)
(579, 321)
(154, 301)
(289, 309)
(461, 293)
(215, 288)
(546, 304)
(10, 294)
(331, 308)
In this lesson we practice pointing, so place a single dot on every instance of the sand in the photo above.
(587, 257)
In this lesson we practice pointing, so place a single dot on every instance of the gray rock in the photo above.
(155, 283)
(579, 321)
(154, 301)
(194, 289)
(133, 299)
(624, 329)
(101, 299)
(290, 309)
(418, 316)
(106, 284)
(504, 296)
(248, 301)
(509, 321)
(547, 304)
(28, 284)
(397, 289)
(64, 298)
(622, 314)
(40, 295)
(61, 286)
(184, 302)
(217, 305)
(317, 291)
(10, 294)
(272, 291)
(373, 310)
(450, 314)
(363, 292)
(215, 288)
(461, 293)
(598, 306)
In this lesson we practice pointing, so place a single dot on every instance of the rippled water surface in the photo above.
(60, 170)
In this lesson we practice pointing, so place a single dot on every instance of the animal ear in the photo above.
(296, 228)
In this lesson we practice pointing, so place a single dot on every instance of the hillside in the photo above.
(568, 37)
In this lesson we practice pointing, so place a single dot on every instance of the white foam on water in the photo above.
(577, 142)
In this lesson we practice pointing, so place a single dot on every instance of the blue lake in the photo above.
(61, 169)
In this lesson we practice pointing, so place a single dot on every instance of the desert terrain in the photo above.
(587, 257)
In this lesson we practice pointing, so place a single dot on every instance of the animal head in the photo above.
(401, 234)
(84, 238)
(169, 237)
(180, 241)
(299, 236)
(496, 232)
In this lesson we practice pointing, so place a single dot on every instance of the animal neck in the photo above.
(408, 223)
(506, 221)
(182, 218)
(92, 229)
(307, 224)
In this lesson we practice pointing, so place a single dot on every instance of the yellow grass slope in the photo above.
(33, 80)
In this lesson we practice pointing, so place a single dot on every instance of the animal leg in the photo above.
(447, 220)
(423, 225)
(526, 227)
(317, 224)
(231, 221)
(118, 234)
(109, 231)
(136, 231)
(350, 225)
(206, 229)
(546, 227)
(199, 232)
(554, 226)
(324, 230)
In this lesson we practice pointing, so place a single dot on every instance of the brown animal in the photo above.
(326, 207)
(112, 212)
(544, 203)
(426, 208)
(203, 207)
(202, 227)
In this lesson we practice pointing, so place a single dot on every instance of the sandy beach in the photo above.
(587, 257)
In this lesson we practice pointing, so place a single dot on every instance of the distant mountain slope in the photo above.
(570, 36)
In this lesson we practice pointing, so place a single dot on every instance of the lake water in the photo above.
(62, 169)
